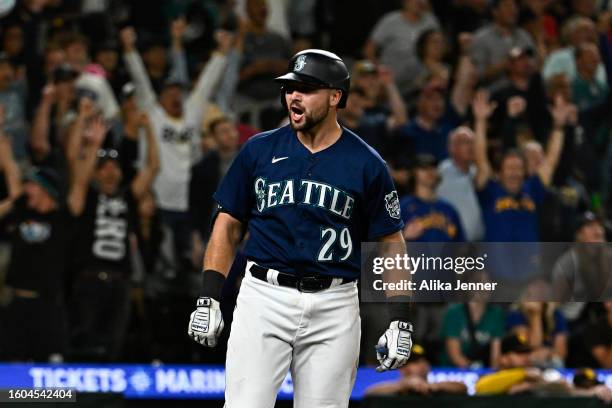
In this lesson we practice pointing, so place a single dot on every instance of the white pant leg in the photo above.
(326, 350)
(259, 349)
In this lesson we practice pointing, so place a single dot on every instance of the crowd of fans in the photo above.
(119, 118)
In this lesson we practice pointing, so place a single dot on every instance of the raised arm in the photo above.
(560, 112)
(85, 165)
(482, 109)
(145, 177)
(12, 175)
(396, 102)
(85, 112)
(39, 135)
(144, 90)
(178, 70)
(211, 74)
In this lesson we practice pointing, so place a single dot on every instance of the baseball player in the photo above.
(308, 193)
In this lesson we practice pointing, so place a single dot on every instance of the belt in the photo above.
(307, 284)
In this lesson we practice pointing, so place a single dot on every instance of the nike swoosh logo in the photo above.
(277, 159)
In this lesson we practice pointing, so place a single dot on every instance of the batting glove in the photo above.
(206, 322)
(393, 348)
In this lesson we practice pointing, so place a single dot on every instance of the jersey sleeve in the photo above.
(382, 205)
(235, 193)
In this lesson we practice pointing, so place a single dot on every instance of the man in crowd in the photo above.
(427, 218)
(493, 42)
(457, 182)
(107, 210)
(176, 125)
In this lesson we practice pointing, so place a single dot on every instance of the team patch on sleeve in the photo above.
(392, 204)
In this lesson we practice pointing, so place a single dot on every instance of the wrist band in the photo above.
(212, 284)
(399, 308)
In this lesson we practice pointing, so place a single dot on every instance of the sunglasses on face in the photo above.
(108, 154)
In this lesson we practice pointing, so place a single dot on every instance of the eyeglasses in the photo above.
(108, 154)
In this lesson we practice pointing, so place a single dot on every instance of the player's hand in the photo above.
(206, 322)
(393, 348)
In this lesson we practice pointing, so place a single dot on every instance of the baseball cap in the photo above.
(425, 160)
(585, 378)
(515, 343)
(64, 72)
(48, 179)
(416, 353)
(516, 52)
(364, 67)
(586, 218)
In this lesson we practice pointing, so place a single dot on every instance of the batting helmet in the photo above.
(320, 68)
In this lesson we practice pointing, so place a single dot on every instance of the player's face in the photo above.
(108, 176)
(308, 106)
(512, 173)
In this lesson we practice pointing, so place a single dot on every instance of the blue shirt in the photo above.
(308, 213)
(512, 217)
(559, 325)
(439, 219)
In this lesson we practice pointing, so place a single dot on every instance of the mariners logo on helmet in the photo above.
(300, 63)
(392, 204)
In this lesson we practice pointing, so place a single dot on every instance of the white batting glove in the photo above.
(206, 322)
(393, 348)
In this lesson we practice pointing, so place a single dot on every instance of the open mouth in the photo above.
(297, 113)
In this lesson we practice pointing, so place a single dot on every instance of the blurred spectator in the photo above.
(107, 56)
(493, 42)
(598, 338)
(586, 89)
(510, 204)
(42, 242)
(545, 329)
(541, 26)
(431, 50)
(586, 384)
(582, 274)
(394, 38)
(472, 333)
(54, 115)
(428, 131)
(91, 77)
(518, 376)
(205, 177)
(176, 125)
(457, 182)
(12, 100)
(427, 218)
(107, 210)
(576, 30)
(521, 101)
(265, 54)
(414, 380)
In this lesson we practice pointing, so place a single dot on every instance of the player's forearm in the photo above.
(223, 243)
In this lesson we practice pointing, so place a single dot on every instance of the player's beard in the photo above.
(311, 119)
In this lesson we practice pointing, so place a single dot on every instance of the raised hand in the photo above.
(177, 29)
(128, 38)
(225, 41)
(96, 131)
(482, 107)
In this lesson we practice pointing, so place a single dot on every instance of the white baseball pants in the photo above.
(276, 328)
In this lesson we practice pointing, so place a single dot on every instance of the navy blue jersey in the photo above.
(308, 213)
(439, 219)
(512, 218)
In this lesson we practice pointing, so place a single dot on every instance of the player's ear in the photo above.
(335, 96)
